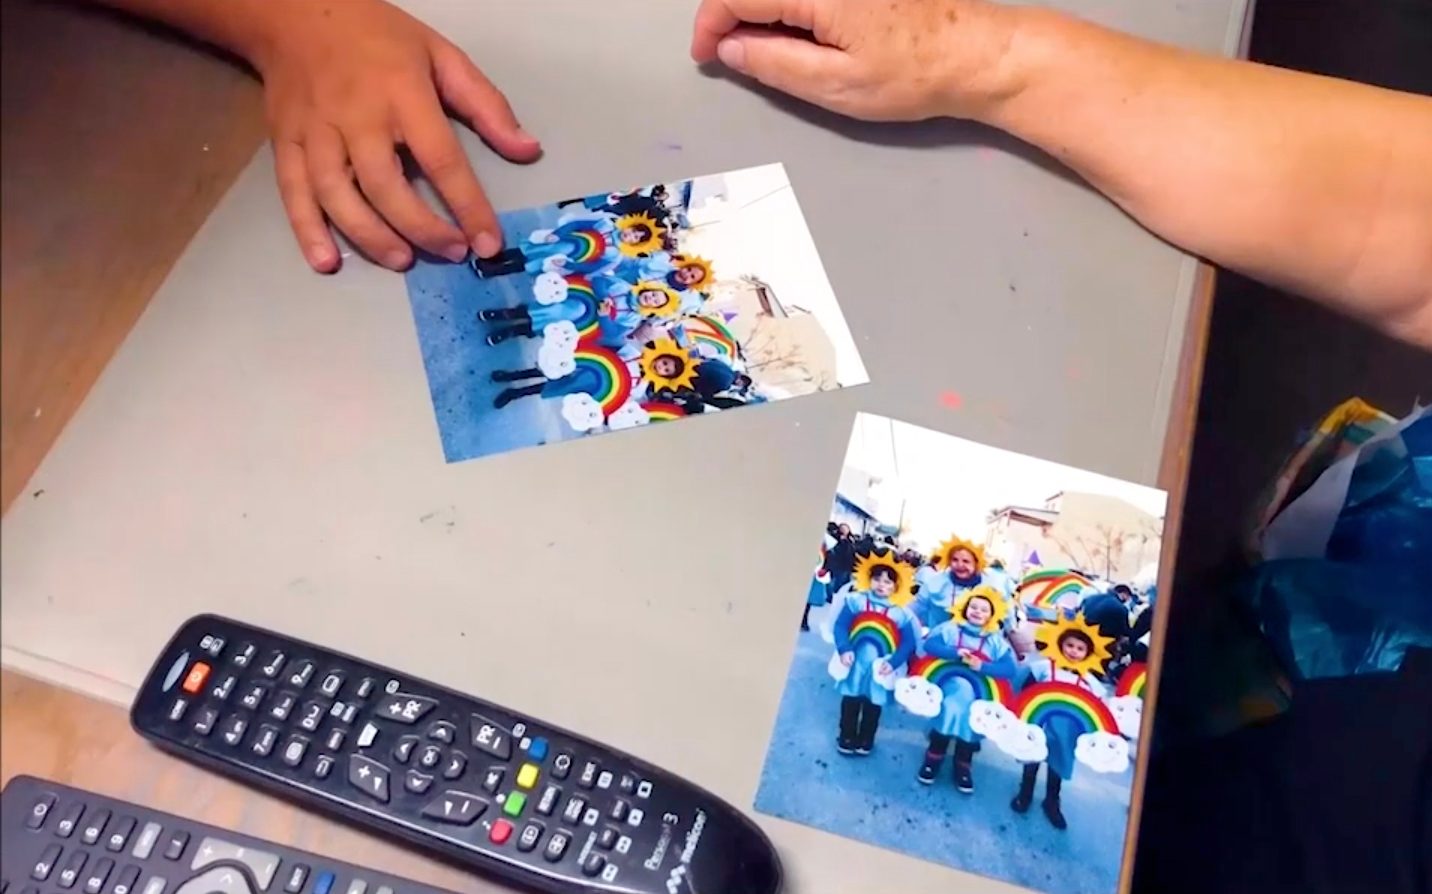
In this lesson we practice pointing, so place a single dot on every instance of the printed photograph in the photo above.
(620, 309)
(969, 671)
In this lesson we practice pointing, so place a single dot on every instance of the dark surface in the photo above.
(28, 836)
(1334, 797)
(668, 828)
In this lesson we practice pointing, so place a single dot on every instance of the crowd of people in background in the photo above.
(956, 620)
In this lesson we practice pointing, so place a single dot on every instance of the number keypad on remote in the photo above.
(471, 780)
(63, 840)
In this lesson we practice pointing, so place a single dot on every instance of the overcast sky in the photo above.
(951, 484)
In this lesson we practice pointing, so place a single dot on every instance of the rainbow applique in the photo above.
(580, 289)
(663, 411)
(1042, 702)
(1133, 681)
(590, 246)
(615, 380)
(940, 671)
(1043, 588)
(704, 330)
(875, 629)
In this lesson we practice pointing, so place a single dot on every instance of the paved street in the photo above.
(877, 798)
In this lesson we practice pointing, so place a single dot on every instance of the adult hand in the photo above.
(345, 84)
(886, 61)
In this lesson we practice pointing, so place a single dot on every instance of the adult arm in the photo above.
(345, 83)
(1316, 185)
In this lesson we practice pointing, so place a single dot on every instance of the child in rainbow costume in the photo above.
(967, 658)
(963, 561)
(1063, 682)
(874, 636)
(601, 309)
(584, 244)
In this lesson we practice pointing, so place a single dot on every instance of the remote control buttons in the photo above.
(456, 763)
(556, 846)
(400, 707)
(548, 802)
(501, 831)
(244, 655)
(404, 749)
(492, 779)
(417, 783)
(527, 776)
(442, 731)
(368, 776)
(491, 738)
(456, 808)
(216, 881)
(215, 850)
(561, 765)
(41, 809)
(531, 834)
(194, 681)
(537, 749)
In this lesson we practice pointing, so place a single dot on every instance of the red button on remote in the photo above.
(501, 831)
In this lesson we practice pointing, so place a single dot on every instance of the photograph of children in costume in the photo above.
(619, 309)
(977, 621)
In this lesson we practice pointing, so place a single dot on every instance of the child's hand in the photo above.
(883, 667)
(847, 658)
(345, 85)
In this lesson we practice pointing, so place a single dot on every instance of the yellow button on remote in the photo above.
(527, 776)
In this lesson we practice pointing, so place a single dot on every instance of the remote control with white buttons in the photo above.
(62, 840)
(502, 793)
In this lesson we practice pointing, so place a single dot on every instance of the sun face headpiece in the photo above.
(671, 308)
(1051, 633)
(647, 245)
(685, 262)
(997, 608)
(867, 565)
(667, 347)
(954, 545)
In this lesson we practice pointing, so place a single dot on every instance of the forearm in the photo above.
(244, 27)
(1314, 184)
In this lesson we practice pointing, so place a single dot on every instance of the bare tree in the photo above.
(1102, 548)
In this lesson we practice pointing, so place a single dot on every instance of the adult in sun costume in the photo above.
(1065, 701)
(874, 636)
(961, 562)
(584, 244)
(967, 658)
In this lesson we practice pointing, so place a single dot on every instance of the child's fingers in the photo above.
(468, 92)
(380, 174)
(430, 138)
(333, 185)
(304, 215)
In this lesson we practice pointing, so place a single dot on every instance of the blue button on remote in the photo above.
(323, 883)
(538, 749)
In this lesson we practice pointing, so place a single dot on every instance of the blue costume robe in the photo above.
(932, 605)
(586, 246)
(1062, 732)
(946, 641)
(861, 681)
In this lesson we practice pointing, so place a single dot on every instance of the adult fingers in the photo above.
(468, 92)
(304, 215)
(717, 18)
(380, 174)
(802, 68)
(430, 138)
(333, 185)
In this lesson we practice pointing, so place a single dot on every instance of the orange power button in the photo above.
(197, 675)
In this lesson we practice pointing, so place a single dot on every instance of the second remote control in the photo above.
(506, 794)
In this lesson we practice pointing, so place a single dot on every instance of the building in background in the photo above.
(1101, 535)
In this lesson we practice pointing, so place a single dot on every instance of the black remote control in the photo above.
(505, 794)
(63, 840)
